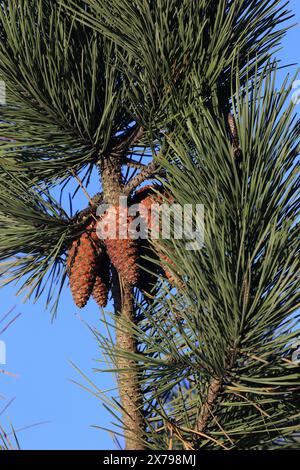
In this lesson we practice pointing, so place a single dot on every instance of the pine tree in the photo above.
(181, 92)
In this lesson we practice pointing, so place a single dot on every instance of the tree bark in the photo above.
(128, 379)
(206, 409)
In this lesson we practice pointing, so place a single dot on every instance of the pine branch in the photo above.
(134, 135)
(133, 164)
(149, 171)
(206, 409)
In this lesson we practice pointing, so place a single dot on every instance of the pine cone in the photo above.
(144, 192)
(92, 231)
(101, 285)
(123, 252)
(147, 202)
(172, 278)
(71, 255)
(146, 205)
(148, 196)
(81, 266)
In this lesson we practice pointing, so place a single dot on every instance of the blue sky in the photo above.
(40, 353)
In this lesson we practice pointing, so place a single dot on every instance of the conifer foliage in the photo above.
(169, 100)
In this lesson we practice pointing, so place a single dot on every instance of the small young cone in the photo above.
(81, 265)
(100, 292)
(123, 252)
(101, 285)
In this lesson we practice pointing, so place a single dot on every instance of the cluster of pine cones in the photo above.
(89, 258)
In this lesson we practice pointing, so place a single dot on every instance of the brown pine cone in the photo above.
(148, 197)
(81, 265)
(144, 192)
(147, 201)
(101, 285)
(71, 255)
(172, 277)
(123, 252)
(91, 230)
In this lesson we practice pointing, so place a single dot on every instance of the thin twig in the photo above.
(147, 172)
(89, 210)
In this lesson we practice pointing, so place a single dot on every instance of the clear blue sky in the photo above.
(40, 353)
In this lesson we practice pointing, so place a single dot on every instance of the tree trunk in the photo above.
(128, 379)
